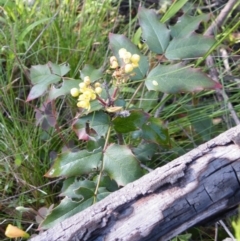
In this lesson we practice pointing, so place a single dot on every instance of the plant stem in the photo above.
(138, 88)
(102, 164)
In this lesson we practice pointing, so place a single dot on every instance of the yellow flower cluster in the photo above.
(86, 92)
(130, 61)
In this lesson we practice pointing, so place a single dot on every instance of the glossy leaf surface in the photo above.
(75, 163)
(193, 46)
(121, 165)
(174, 79)
(155, 33)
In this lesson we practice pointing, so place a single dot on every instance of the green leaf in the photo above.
(156, 34)
(154, 131)
(74, 189)
(174, 79)
(187, 24)
(117, 42)
(130, 123)
(43, 75)
(92, 126)
(94, 74)
(202, 125)
(31, 27)
(108, 183)
(174, 8)
(136, 39)
(149, 100)
(145, 151)
(45, 116)
(193, 46)
(121, 164)
(67, 208)
(75, 163)
(67, 85)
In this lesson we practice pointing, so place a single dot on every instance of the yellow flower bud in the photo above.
(122, 52)
(81, 97)
(114, 65)
(93, 96)
(113, 58)
(135, 65)
(87, 80)
(82, 85)
(15, 232)
(97, 84)
(74, 92)
(126, 60)
(135, 58)
(87, 94)
(128, 68)
(83, 104)
(127, 55)
(98, 90)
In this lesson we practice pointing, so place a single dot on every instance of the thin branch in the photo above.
(221, 95)
(221, 17)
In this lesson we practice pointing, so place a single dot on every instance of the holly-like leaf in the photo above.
(67, 208)
(73, 190)
(174, 79)
(108, 183)
(91, 126)
(79, 196)
(130, 123)
(187, 24)
(154, 131)
(155, 33)
(45, 116)
(121, 165)
(75, 163)
(117, 42)
(43, 75)
(67, 85)
(145, 151)
(192, 46)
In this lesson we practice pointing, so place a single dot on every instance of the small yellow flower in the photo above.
(114, 65)
(93, 96)
(135, 58)
(135, 65)
(81, 97)
(112, 59)
(128, 68)
(87, 80)
(127, 57)
(74, 92)
(97, 84)
(84, 104)
(82, 85)
(122, 52)
(98, 90)
(15, 232)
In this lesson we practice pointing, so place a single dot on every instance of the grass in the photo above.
(66, 31)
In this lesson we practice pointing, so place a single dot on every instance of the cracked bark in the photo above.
(191, 189)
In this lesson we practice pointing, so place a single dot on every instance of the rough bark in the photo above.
(191, 189)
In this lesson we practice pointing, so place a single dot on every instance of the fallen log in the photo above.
(191, 189)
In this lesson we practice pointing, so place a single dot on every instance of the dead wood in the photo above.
(189, 190)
